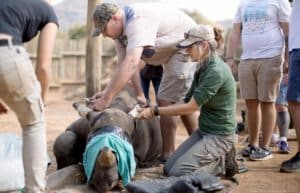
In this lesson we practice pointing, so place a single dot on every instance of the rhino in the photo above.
(143, 135)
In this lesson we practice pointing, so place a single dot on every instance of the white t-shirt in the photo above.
(261, 33)
(294, 36)
(157, 25)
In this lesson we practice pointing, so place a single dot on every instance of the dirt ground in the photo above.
(262, 177)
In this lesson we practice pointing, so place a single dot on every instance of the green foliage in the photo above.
(77, 32)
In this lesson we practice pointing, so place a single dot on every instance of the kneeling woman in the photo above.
(213, 92)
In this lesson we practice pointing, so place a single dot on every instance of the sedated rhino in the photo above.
(143, 135)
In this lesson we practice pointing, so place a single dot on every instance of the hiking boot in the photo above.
(283, 147)
(231, 166)
(261, 154)
(247, 151)
(291, 165)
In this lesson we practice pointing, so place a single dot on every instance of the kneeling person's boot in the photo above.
(231, 166)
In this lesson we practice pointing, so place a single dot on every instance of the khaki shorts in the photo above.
(177, 77)
(19, 87)
(260, 78)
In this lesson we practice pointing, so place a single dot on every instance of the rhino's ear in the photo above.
(106, 158)
(82, 109)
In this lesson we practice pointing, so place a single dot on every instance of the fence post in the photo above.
(93, 54)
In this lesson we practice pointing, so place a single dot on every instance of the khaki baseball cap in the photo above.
(102, 15)
(197, 34)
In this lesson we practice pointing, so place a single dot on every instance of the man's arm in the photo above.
(44, 56)
(233, 43)
(136, 82)
(124, 72)
(285, 29)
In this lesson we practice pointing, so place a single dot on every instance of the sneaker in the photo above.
(291, 165)
(247, 151)
(261, 154)
(231, 166)
(283, 147)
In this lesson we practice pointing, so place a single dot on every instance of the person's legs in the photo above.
(283, 122)
(248, 89)
(268, 120)
(20, 90)
(145, 85)
(293, 97)
(168, 131)
(254, 119)
(176, 80)
(200, 152)
(269, 72)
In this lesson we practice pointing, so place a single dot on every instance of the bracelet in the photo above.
(155, 110)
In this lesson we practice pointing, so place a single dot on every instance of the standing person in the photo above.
(263, 27)
(213, 92)
(283, 116)
(20, 89)
(148, 31)
(293, 93)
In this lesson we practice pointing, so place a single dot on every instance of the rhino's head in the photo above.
(111, 116)
(105, 176)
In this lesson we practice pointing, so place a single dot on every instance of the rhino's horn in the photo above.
(106, 158)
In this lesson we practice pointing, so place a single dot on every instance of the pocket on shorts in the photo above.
(33, 110)
(19, 80)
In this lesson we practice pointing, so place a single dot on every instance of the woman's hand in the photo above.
(145, 113)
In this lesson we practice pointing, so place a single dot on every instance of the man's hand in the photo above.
(142, 101)
(145, 113)
(3, 108)
(100, 101)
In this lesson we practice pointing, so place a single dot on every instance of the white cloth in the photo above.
(261, 33)
(294, 36)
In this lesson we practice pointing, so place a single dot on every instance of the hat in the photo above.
(197, 34)
(102, 15)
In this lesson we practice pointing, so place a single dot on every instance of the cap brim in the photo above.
(187, 42)
(96, 32)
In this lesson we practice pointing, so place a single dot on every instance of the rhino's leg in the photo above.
(64, 149)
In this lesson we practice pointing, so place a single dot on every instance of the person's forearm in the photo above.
(136, 82)
(44, 76)
(233, 42)
(179, 109)
(123, 74)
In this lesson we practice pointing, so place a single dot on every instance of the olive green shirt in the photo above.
(214, 91)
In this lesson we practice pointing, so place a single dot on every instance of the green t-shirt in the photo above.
(214, 91)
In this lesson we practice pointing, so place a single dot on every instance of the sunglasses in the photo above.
(187, 35)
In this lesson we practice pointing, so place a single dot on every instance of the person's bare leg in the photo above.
(268, 114)
(253, 119)
(168, 131)
(295, 111)
(190, 122)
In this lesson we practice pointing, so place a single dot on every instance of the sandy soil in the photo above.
(263, 177)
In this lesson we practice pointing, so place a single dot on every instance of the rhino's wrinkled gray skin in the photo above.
(144, 135)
